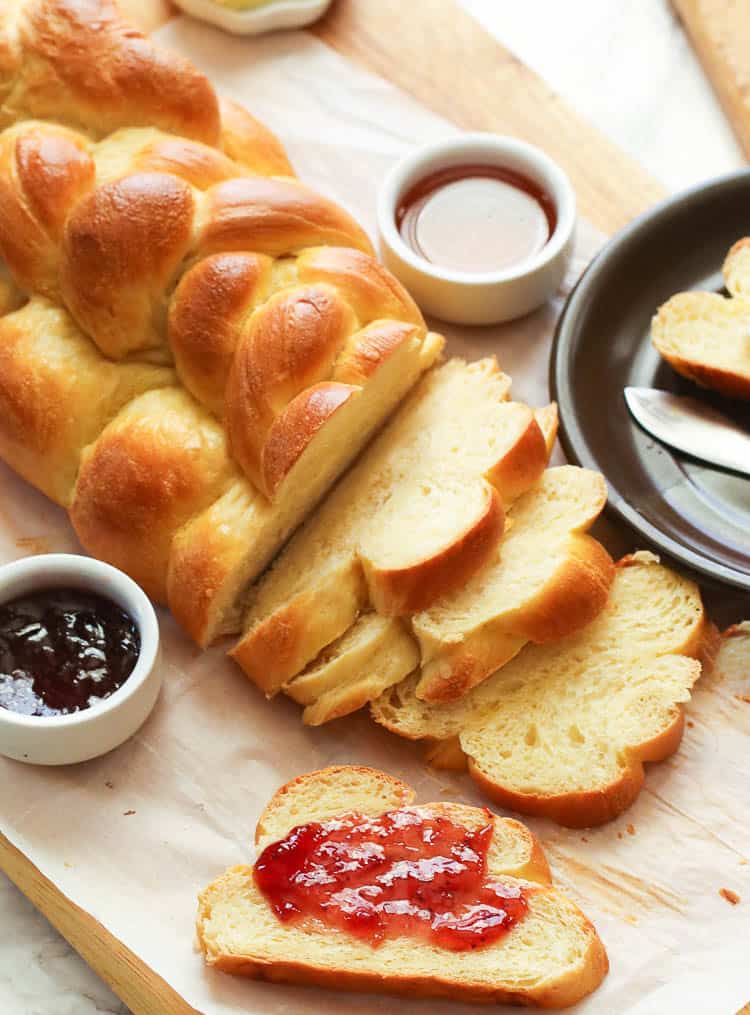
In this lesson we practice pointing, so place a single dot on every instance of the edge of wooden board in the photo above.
(415, 52)
(720, 34)
(133, 980)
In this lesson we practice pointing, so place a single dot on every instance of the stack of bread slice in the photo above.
(553, 958)
(411, 562)
(706, 336)
(563, 730)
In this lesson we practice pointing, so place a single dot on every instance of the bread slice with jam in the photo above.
(550, 956)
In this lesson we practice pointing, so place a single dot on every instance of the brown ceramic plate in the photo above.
(697, 514)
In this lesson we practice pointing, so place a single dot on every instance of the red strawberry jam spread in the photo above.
(403, 873)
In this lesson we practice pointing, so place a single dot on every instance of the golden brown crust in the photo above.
(159, 463)
(274, 217)
(572, 596)
(289, 345)
(279, 647)
(369, 288)
(43, 172)
(725, 381)
(205, 317)
(251, 143)
(595, 807)
(197, 164)
(293, 430)
(365, 351)
(123, 244)
(594, 968)
(48, 371)
(80, 63)
(703, 336)
(586, 809)
(577, 594)
(524, 460)
(400, 591)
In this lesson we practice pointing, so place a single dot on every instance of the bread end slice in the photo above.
(706, 338)
(564, 730)
(553, 958)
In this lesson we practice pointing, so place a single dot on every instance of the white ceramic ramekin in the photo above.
(66, 739)
(267, 18)
(479, 298)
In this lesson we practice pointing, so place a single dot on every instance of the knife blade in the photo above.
(691, 426)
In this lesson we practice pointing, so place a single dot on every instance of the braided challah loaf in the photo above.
(195, 344)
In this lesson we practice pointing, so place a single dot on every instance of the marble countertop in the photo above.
(631, 71)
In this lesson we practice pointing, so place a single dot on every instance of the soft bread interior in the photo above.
(216, 557)
(375, 653)
(546, 580)
(57, 393)
(702, 331)
(563, 729)
(553, 956)
(455, 428)
(706, 336)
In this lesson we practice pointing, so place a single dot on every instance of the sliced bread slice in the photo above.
(706, 336)
(547, 580)
(564, 729)
(553, 957)
(419, 513)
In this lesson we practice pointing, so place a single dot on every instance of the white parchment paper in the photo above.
(132, 837)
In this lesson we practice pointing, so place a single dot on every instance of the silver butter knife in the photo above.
(691, 426)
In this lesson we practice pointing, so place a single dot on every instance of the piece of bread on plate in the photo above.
(207, 342)
(706, 336)
(563, 730)
(547, 579)
(421, 511)
(552, 957)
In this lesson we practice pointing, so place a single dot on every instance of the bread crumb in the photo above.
(744, 862)
(729, 895)
(33, 544)
(127, 814)
(690, 723)
(743, 697)
(109, 784)
(67, 866)
(630, 829)
(619, 835)
(584, 839)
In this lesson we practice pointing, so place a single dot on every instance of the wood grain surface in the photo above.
(427, 56)
(426, 48)
(142, 990)
(720, 33)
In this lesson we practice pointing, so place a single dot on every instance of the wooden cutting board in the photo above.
(500, 94)
(720, 33)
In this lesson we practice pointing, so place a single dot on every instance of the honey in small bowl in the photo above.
(476, 219)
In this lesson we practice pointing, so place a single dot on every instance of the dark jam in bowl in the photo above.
(403, 873)
(63, 650)
(476, 218)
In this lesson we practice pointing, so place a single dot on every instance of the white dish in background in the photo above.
(67, 739)
(481, 297)
(272, 15)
